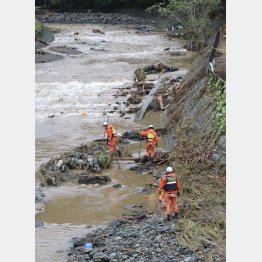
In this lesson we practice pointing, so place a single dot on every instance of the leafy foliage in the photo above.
(218, 87)
(192, 15)
(38, 27)
(56, 2)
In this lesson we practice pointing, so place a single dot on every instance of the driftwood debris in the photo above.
(159, 159)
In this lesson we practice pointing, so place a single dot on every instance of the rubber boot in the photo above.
(119, 153)
(168, 218)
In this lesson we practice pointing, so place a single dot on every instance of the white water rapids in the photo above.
(77, 91)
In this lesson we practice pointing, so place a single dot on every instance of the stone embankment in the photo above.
(91, 17)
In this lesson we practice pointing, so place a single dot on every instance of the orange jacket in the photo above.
(111, 132)
(170, 183)
(151, 135)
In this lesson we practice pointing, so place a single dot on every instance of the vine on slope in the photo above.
(38, 27)
(218, 88)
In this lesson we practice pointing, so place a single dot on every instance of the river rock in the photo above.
(94, 179)
(65, 50)
(98, 31)
(77, 242)
(42, 56)
(39, 224)
(46, 35)
(117, 186)
(60, 163)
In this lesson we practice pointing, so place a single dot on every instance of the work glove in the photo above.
(107, 141)
(178, 193)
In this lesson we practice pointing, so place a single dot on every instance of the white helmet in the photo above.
(105, 124)
(169, 169)
(150, 126)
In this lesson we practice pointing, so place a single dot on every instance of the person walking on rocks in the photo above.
(151, 141)
(171, 185)
(112, 139)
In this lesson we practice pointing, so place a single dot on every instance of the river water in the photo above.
(77, 91)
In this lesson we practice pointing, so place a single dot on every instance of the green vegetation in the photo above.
(218, 87)
(104, 160)
(38, 27)
(192, 15)
(56, 2)
(203, 211)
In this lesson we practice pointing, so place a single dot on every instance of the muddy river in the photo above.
(76, 91)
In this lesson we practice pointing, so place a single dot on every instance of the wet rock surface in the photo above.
(140, 237)
(42, 56)
(46, 36)
(94, 179)
(65, 50)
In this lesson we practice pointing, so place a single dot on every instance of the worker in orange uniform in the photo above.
(171, 185)
(151, 141)
(112, 139)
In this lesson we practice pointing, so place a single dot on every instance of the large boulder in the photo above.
(46, 36)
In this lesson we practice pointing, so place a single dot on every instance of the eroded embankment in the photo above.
(194, 121)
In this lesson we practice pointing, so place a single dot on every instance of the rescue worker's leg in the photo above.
(168, 205)
(112, 146)
(152, 151)
(111, 149)
(176, 210)
(174, 204)
(147, 149)
(116, 147)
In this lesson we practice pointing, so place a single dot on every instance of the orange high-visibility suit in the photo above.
(171, 185)
(152, 141)
(112, 139)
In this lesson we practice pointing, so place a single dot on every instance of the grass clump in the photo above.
(104, 160)
(38, 27)
(202, 208)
